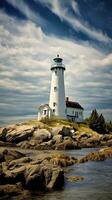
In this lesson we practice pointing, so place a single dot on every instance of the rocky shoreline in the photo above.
(42, 137)
(21, 175)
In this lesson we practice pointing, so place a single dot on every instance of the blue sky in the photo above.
(32, 32)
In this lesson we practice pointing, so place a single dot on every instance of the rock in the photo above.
(57, 138)
(66, 131)
(7, 144)
(44, 145)
(2, 175)
(89, 142)
(10, 155)
(10, 190)
(56, 130)
(106, 137)
(2, 159)
(24, 145)
(75, 178)
(85, 136)
(15, 175)
(97, 156)
(42, 135)
(67, 143)
(3, 132)
(63, 130)
(34, 178)
(19, 162)
(20, 133)
(57, 179)
(63, 160)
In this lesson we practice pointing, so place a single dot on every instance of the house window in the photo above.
(76, 114)
(55, 89)
(45, 111)
(54, 104)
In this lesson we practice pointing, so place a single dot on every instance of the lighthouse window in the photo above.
(56, 72)
(54, 104)
(55, 88)
(53, 110)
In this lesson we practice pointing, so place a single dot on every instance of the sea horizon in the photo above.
(11, 118)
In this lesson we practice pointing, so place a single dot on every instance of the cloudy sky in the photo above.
(32, 32)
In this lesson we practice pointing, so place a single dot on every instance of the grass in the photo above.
(55, 122)
(84, 128)
(37, 123)
(49, 123)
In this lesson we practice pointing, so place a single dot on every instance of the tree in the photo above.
(97, 123)
(102, 125)
(109, 126)
(94, 120)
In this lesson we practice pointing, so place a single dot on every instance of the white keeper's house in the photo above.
(59, 106)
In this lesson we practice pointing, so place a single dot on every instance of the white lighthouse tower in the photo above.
(57, 93)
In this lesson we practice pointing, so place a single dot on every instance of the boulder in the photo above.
(10, 155)
(20, 133)
(97, 156)
(19, 162)
(42, 134)
(34, 178)
(57, 138)
(63, 130)
(15, 175)
(66, 131)
(63, 160)
(3, 132)
(57, 179)
(10, 190)
(66, 144)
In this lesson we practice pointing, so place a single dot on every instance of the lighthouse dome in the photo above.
(57, 63)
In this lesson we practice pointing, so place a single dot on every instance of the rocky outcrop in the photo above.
(41, 173)
(97, 156)
(42, 135)
(45, 172)
(61, 137)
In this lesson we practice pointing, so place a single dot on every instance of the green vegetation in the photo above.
(94, 125)
(56, 121)
(109, 126)
(97, 123)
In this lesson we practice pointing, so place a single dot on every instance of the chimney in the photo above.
(67, 98)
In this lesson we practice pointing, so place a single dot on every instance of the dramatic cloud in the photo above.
(26, 54)
(77, 24)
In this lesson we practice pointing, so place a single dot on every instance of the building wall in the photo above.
(74, 114)
(44, 112)
(57, 93)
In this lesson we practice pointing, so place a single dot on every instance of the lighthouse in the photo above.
(57, 93)
(59, 106)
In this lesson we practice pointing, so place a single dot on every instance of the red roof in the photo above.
(72, 104)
